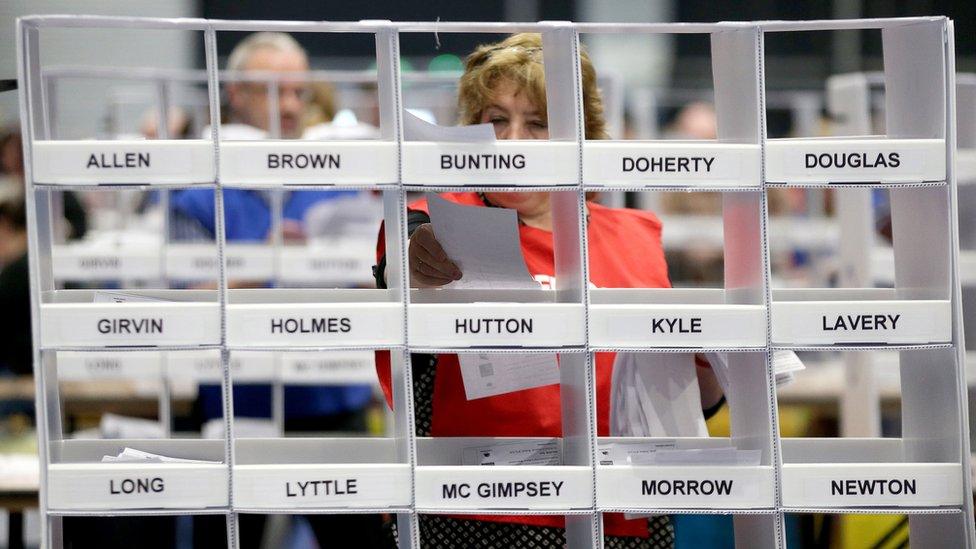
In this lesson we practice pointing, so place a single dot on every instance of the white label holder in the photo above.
(692, 487)
(123, 162)
(504, 487)
(872, 484)
(665, 164)
(108, 486)
(861, 322)
(503, 163)
(822, 161)
(326, 486)
(275, 163)
(496, 324)
(658, 325)
(130, 324)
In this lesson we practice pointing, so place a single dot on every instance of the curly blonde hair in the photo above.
(519, 58)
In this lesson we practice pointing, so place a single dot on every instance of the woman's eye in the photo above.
(539, 125)
(497, 120)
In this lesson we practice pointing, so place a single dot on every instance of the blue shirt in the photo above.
(247, 215)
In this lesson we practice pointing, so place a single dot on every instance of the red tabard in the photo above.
(625, 251)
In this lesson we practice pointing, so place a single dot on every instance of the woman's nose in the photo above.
(516, 130)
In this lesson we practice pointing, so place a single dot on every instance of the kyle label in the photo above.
(676, 325)
(102, 161)
(860, 322)
(321, 488)
(540, 489)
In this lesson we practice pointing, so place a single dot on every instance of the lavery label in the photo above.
(891, 322)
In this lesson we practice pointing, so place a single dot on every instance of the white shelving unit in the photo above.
(409, 475)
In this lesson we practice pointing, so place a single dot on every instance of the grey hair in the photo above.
(277, 41)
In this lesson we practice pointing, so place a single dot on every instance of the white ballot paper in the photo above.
(490, 374)
(533, 452)
(785, 366)
(656, 395)
(622, 453)
(418, 129)
(131, 455)
(726, 455)
(483, 243)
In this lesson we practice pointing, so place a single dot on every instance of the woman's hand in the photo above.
(429, 265)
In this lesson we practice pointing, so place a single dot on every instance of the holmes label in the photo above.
(319, 325)
(497, 490)
(130, 326)
(118, 160)
(860, 322)
(493, 326)
(316, 488)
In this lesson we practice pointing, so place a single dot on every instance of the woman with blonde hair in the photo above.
(504, 84)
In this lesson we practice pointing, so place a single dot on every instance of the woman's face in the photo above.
(513, 114)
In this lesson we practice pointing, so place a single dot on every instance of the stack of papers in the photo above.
(131, 455)
(785, 366)
(726, 455)
(656, 395)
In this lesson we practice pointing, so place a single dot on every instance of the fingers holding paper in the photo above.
(430, 265)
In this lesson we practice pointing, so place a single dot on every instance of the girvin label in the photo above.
(124, 326)
(101, 161)
(860, 322)
(503, 490)
(321, 488)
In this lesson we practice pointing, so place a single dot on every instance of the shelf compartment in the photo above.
(855, 161)
(70, 318)
(295, 163)
(697, 318)
(342, 262)
(195, 262)
(497, 163)
(320, 473)
(692, 487)
(313, 318)
(857, 316)
(105, 262)
(154, 162)
(660, 164)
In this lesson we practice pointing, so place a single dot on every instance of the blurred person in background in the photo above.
(248, 218)
(16, 353)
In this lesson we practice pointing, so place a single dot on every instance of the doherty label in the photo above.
(667, 164)
(499, 490)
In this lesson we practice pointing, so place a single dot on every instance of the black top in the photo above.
(15, 317)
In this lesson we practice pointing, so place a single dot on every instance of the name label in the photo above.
(874, 487)
(319, 325)
(303, 161)
(152, 485)
(316, 488)
(687, 487)
(484, 161)
(493, 326)
(668, 164)
(118, 160)
(851, 160)
(93, 263)
(496, 490)
(860, 322)
(676, 325)
(130, 325)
